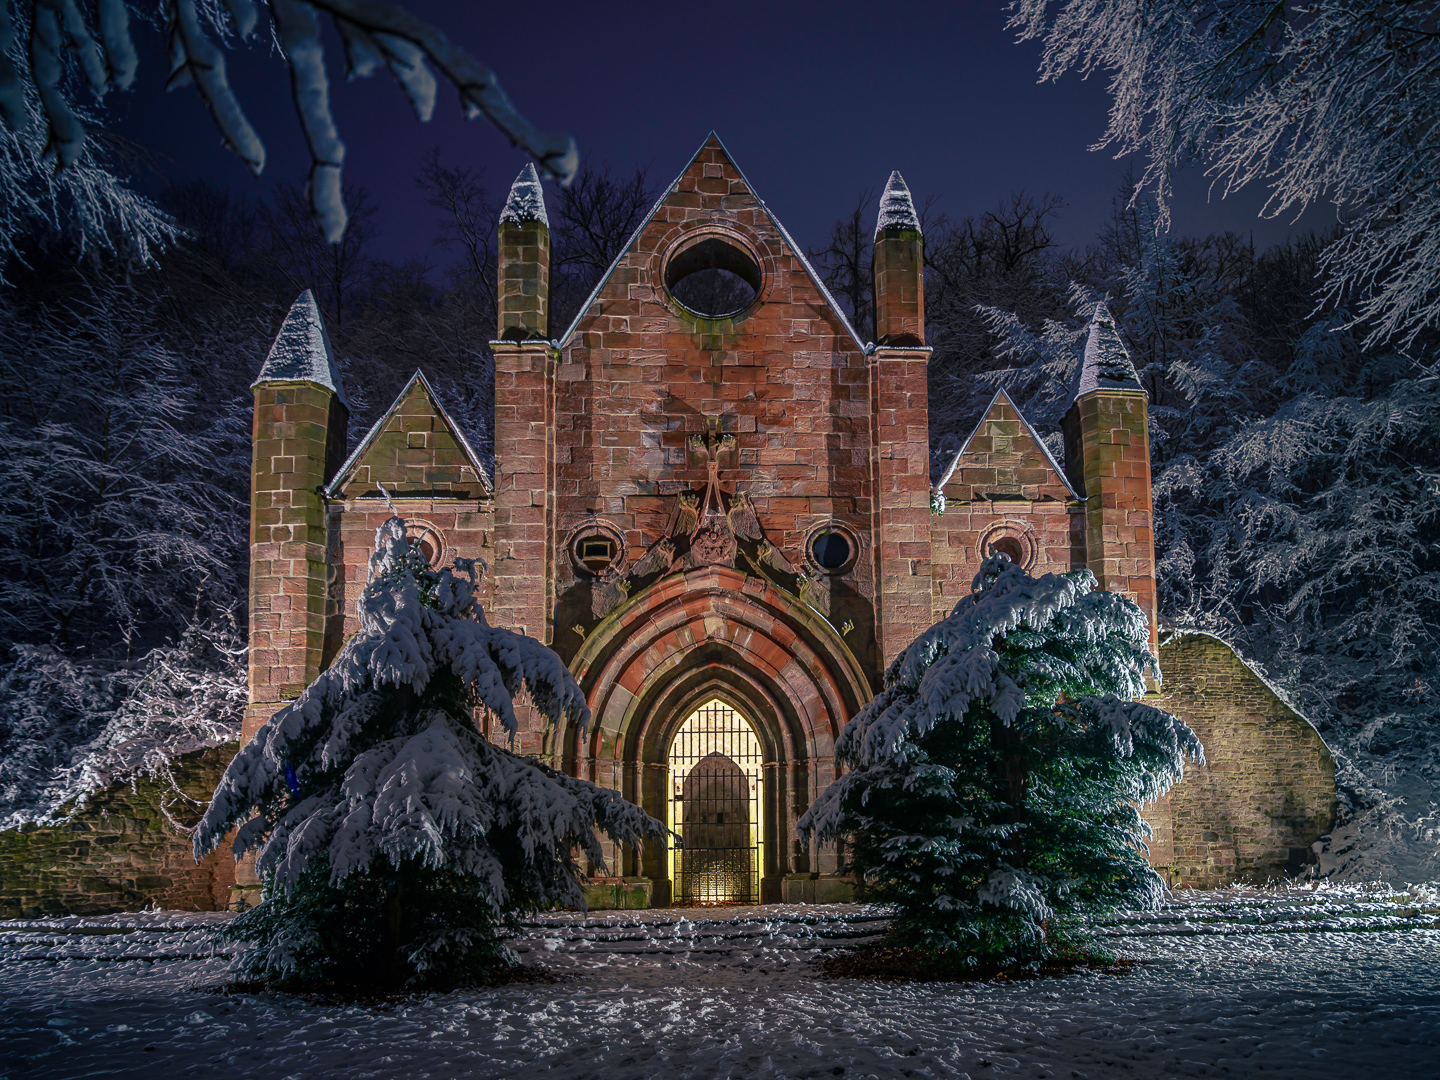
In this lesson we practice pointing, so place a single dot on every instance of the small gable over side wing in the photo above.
(1004, 458)
(415, 449)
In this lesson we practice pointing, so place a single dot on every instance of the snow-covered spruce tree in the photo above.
(395, 842)
(994, 782)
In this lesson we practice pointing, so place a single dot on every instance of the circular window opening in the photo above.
(597, 549)
(831, 550)
(1011, 548)
(713, 278)
(426, 540)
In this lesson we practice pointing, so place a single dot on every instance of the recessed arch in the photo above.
(716, 633)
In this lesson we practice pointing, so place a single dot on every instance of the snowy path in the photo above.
(1335, 982)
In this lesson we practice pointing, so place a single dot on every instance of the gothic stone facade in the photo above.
(697, 502)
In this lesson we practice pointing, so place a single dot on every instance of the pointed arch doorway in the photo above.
(717, 805)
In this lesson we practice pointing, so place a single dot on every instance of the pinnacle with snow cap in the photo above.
(302, 352)
(897, 208)
(527, 200)
(1107, 363)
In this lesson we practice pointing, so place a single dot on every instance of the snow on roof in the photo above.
(897, 208)
(332, 489)
(1044, 449)
(302, 352)
(795, 248)
(526, 201)
(1107, 363)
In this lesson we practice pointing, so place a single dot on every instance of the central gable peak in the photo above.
(710, 251)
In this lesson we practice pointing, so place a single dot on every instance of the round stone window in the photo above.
(713, 278)
(831, 548)
(597, 549)
(425, 539)
(1010, 538)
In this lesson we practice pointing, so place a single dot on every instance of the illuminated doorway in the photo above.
(716, 797)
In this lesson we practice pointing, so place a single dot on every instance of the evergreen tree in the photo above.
(995, 781)
(397, 844)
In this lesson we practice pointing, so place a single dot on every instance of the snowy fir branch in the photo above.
(1327, 101)
(378, 777)
(994, 784)
(51, 170)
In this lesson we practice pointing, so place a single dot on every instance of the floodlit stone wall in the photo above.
(1267, 790)
(123, 853)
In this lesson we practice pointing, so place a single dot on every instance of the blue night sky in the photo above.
(816, 101)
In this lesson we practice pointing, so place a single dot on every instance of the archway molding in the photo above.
(715, 633)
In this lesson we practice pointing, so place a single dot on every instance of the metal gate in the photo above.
(716, 798)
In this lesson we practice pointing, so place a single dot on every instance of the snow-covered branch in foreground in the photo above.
(37, 90)
(1332, 100)
(995, 780)
(378, 778)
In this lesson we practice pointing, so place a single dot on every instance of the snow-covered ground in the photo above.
(1317, 982)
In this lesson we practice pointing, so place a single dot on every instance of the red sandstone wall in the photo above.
(1003, 484)
(640, 374)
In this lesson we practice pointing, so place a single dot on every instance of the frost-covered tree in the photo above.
(52, 50)
(1330, 100)
(396, 843)
(121, 543)
(994, 783)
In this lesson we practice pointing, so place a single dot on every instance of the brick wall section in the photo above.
(415, 452)
(1267, 791)
(899, 288)
(121, 854)
(641, 373)
(524, 281)
(1107, 451)
(1002, 484)
(298, 439)
(902, 494)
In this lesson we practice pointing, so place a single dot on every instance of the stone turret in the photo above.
(298, 442)
(1107, 455)
(900, 422)
(524, 439)
(524, 291)
(899, 268)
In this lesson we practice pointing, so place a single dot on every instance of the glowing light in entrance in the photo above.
(716, 801)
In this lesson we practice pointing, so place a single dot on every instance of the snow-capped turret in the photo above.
(899, 269)
(897, 208)
(301, 352)
(1107, 456)
(524, 262)
(526, 201)
(1106, 365)
(299, 441)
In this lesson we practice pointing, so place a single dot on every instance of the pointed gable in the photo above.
(414, 450)
(711, 184)
(301, 351)
(1004, 457)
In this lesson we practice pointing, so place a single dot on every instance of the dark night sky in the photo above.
(816, 101)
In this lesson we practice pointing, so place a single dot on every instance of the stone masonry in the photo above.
(1266, 792)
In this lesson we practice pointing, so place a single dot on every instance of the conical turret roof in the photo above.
(302, 352)
(897, 208)
(526, 201)
(1106, 365)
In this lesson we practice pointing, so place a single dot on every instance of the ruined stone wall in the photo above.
(121, 853)
(1267, 790)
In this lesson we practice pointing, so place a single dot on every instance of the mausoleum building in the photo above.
(713, 499)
